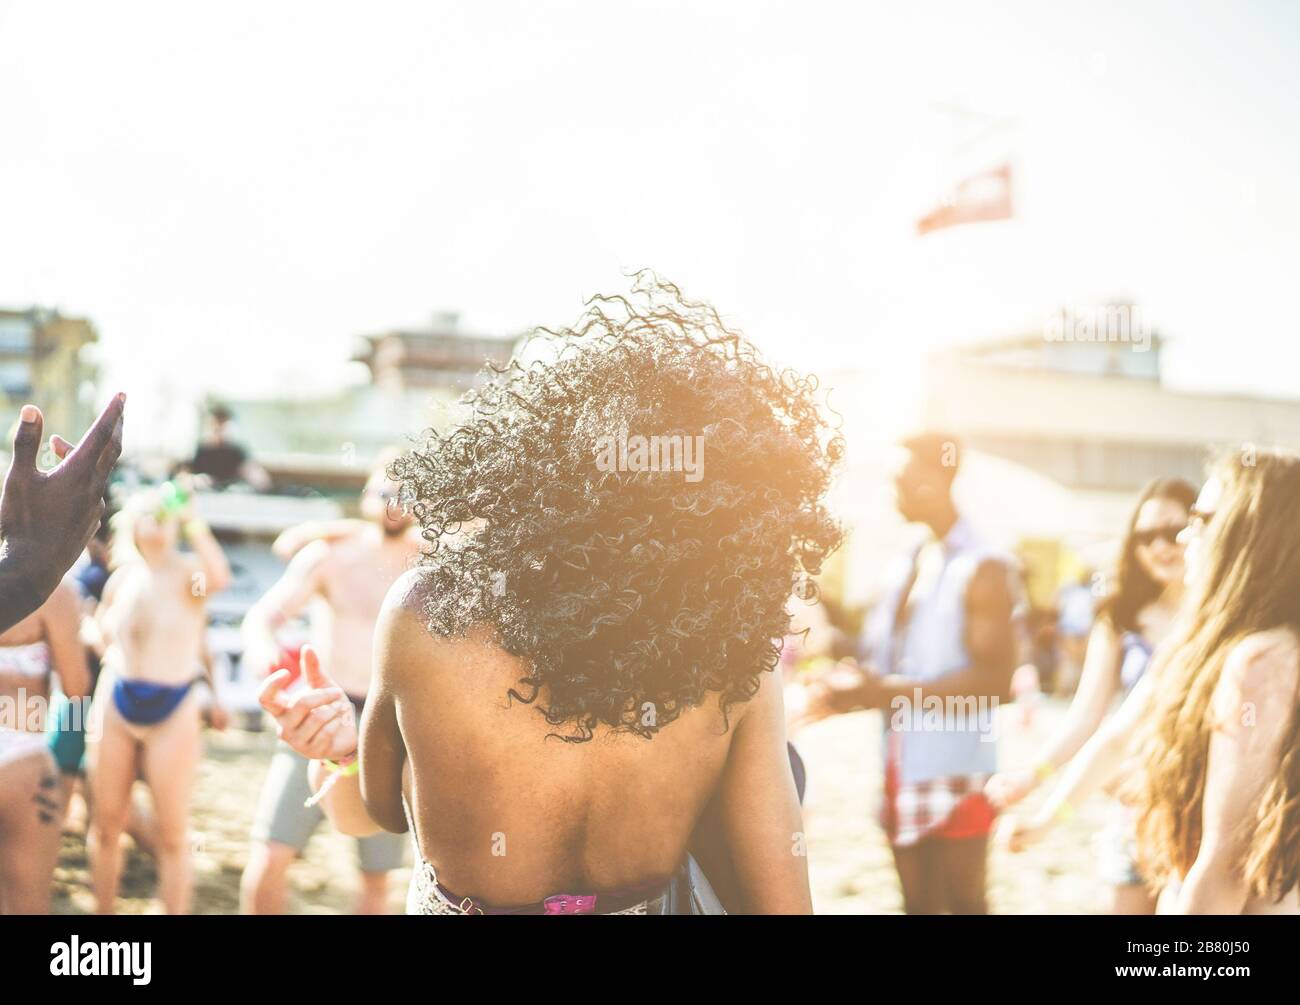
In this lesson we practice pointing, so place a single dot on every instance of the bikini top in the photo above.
(1135, 656)
(31, 660)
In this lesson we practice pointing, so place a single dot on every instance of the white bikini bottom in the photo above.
(15, 744)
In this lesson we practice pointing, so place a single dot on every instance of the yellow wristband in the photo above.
(1064, 813)
(1044, 771)
(336, 771)
(346, 770)
(193, 524)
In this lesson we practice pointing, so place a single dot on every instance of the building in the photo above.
(413, 381)
(45, 359)
(1063, 425)
(1079, 420)
(438, 358)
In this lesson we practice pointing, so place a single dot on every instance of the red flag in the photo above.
(981, 197)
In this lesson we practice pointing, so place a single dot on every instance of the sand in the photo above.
(849, 862)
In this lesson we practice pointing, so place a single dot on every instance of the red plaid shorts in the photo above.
(951, 807)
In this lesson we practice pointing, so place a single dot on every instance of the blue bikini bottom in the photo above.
(143, 703)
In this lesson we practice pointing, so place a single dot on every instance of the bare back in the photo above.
(509, 813)
(498, 794)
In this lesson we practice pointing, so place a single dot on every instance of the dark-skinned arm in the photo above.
(46, 517)
(990, 641)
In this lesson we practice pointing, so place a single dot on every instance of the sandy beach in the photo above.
(849, 861)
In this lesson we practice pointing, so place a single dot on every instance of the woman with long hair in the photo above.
(584, 663)
(151, 622)
(1131, 621)
(1215, 722)
(1219, 796)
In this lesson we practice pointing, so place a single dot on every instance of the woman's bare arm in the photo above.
(212, 563)
(1101, 758)
(398, 634)
(1098, 685)
(760, 810)
(61, 619)
(1097, 764)
(1252, 708)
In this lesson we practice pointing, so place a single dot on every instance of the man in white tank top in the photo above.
(941, 649)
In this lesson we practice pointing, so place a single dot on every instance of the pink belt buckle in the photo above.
(564, 903)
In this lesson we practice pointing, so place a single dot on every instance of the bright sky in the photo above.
(232, 191)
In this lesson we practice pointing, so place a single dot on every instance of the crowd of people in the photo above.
(566, 688)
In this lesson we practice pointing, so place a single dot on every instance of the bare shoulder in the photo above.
(66, 594)
(64, 602)
(1262, 667)
(113, 585)
(403, 630)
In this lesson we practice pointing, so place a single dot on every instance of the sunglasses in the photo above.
(1167, 534)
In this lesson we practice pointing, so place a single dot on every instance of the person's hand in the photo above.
(855, 687)
(845, 687)
(318, 723)
(1017, 834)
(46, 517)
(1007, 788)
(184, 483)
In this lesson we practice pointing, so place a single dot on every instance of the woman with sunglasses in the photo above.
(1130, 623)
(1219, 796)
(151, 622)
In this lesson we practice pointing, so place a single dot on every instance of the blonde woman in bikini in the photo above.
(152, 620)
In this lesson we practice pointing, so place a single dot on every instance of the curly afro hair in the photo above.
(631, 594)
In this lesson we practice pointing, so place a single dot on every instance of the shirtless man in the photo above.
(151, 620)
(341, 579)
(31, 801)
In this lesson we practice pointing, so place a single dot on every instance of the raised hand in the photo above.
(319, 722)
(46, 517)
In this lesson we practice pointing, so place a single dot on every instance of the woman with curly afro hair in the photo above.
(583, 662)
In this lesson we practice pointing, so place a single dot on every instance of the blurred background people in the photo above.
(44, 645)
(1131, 621)
(1219, 790)
(942, 630)
(1075, 607)
(340, 573)
(221, 460)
